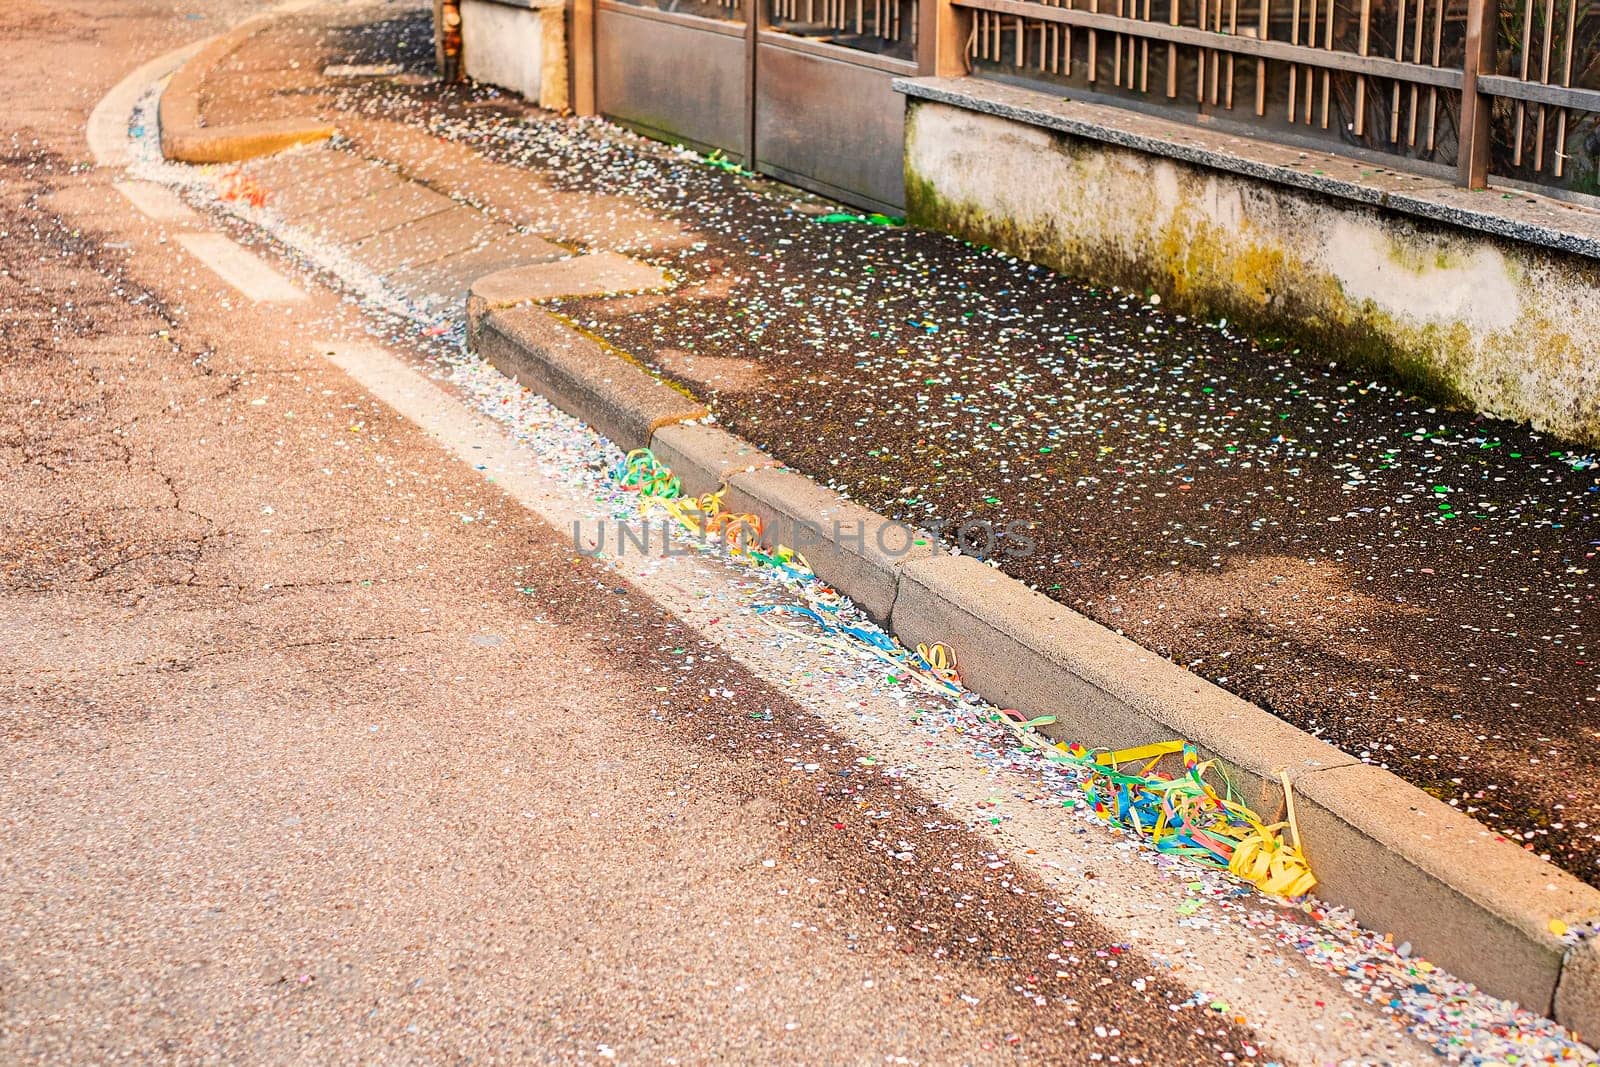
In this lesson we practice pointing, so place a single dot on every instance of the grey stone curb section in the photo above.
(1464, 897)
(184, 139)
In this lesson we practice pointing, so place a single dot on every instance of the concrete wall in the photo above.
(517, 46)
(1507, 329)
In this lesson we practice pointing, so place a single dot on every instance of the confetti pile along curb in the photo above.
(1182, 813)
(1301, 534)
(1447, 1013)
(1451, 1016)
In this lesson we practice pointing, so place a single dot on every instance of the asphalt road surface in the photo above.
(322, 746)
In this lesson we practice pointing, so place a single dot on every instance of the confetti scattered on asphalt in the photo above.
(1450, 1016)
(1412, 583)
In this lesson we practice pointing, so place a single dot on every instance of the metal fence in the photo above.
(882, 27)
(1510, 89)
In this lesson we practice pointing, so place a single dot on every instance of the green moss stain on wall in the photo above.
(1532, 368)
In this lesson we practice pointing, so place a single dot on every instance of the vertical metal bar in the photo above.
(1416, 57)
(1327, 43)
(1311, 40)
(1172, 54)
(1055, 43)
(1365, 32)
(1544, 76)
(1200, 61)
(1094, 46)
(1116, 58)
(1566, 79)
(1066, 45)
(1399, 54)
(1144, 57)
(1233, 27)
(1522, 107)
(1294, 68)
(1433, 90)
(1261, 64)
(1216, 59)
(1144, 70)
(1473, 163)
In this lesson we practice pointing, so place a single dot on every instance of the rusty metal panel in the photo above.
(673, 77)
(829, 125)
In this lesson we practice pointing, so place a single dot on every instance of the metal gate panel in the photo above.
(832, 125)
(806, 99)
(673, 76)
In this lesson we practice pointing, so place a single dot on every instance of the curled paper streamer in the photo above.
(1162, 793)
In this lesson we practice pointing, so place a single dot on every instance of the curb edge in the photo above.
(1503, 898)
(185, 140)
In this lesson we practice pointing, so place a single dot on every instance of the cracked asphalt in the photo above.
(319, 748)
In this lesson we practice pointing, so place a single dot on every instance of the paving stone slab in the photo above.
(305, 180)
(451, 230)
(452, 277)
(369, 221)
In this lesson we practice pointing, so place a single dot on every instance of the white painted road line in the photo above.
(240, 269)
(157, 202)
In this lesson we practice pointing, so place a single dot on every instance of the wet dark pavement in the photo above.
(1409, 582)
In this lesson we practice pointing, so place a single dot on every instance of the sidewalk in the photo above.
(1409, 582)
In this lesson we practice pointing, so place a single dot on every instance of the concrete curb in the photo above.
(580, 376)
(706, 457)
(1406, 862)
(858, 552)
(590, 274)
(185, 140)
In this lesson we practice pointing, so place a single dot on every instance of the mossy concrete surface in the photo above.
(1502, 328)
